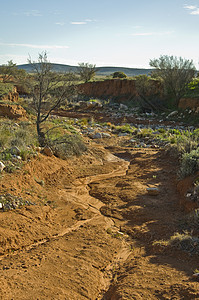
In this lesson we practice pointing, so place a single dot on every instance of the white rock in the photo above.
(2, 166)
(173, 113)
(123, 134)
(97, 135)
(123, 107)
(106, 135)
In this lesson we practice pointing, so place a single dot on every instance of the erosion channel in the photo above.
(95, 237)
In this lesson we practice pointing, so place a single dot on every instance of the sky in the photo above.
(117, 33)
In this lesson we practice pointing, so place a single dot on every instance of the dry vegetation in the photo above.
(93, 211)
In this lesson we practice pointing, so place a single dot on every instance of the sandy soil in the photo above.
(90, 232)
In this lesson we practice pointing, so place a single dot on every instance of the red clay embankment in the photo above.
(111, 88)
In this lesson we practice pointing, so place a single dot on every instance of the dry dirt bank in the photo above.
(90, 233)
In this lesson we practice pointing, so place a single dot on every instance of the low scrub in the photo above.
(183, 241)
(5, 88)
(189, 163)
(64, 140)
(14, 134)
(68, 145)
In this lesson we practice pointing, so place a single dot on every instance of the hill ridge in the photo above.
(103, 71)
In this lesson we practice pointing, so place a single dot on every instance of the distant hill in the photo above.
(105, 71)
(102, 71)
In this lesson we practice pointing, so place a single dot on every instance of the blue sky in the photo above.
(124, 33)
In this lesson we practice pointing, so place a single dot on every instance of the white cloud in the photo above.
(151, 33)
(60, 23)
(33, 13)
(84, 22)
(90, 20)
(78, 23)
(34, 46)
(190, 6)
(194, 10)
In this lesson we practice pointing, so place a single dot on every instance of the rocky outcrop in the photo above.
(12, 111)
(192, 103)
(112, 88)
(11, 96)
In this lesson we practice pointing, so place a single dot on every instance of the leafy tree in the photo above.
(119, 75)
(49, 90)
(10, 73)
(193, 87)
(175, 73)
(86, 71)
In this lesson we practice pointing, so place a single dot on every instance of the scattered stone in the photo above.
(47, 151)
(132, 141)
(142, 144)
(120, 233)
(106, 135)
(173, 113)
(97, 135)
(153, 191)
(9, 202)
(123, 134)
(123, 107)
(2, 166)
(196, 275)
(38, 149)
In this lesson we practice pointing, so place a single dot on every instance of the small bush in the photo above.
(67, 146)
(26, 154)
(185, 241)
(189, 163)
(5, 135)
(5, 88)
(119, 75)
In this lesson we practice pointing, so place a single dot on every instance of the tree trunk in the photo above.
(41, 135)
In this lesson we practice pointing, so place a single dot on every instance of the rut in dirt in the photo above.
(45, 250)
(108, 253)
(147, 272)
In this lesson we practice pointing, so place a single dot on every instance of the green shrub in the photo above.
(162, 130)
(126, 128)
(185, 241)
(23, 137)
(5, 88)
(189, 163)
(5, 135)
(119, 75)
(26, 154)
(68, 145)
(5, 155)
